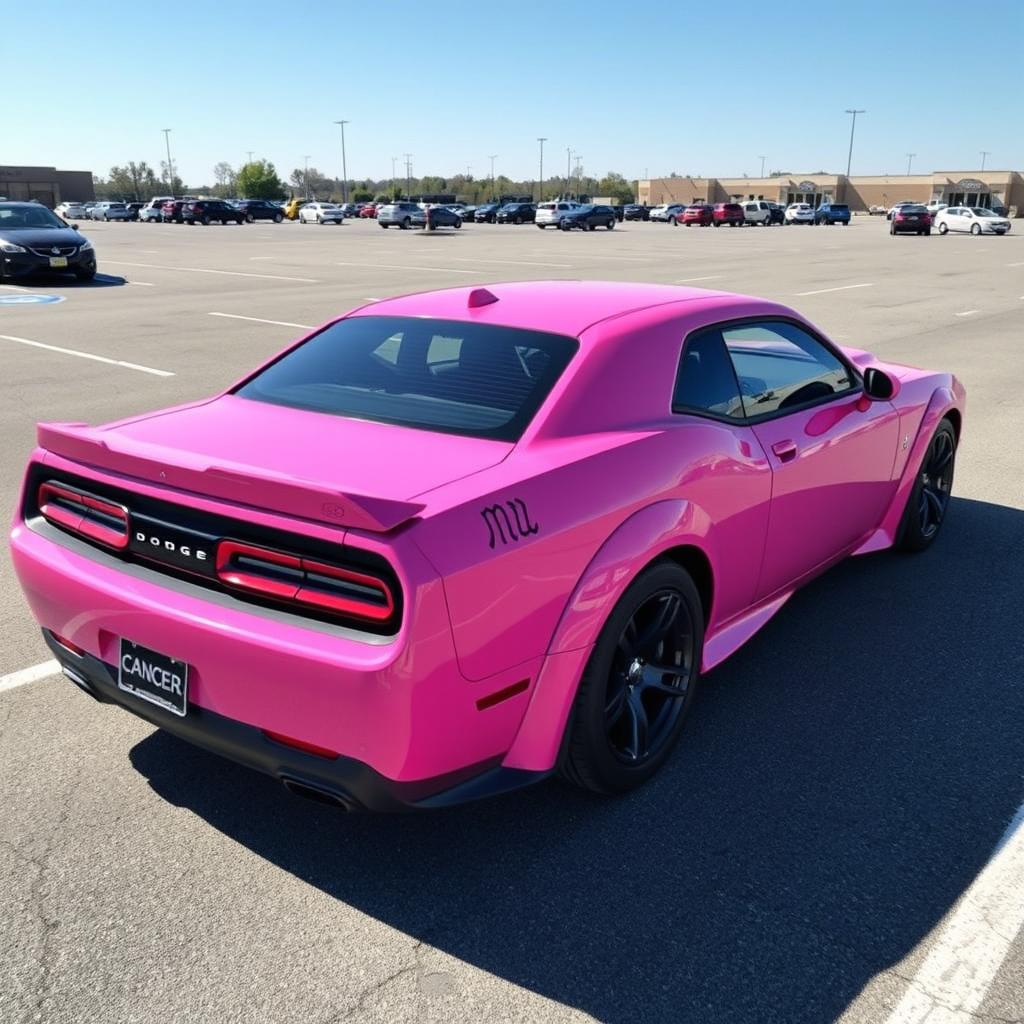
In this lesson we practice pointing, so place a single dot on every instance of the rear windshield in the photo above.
(840, 207)
(912, 208)
(441, 375)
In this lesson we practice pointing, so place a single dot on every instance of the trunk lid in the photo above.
(317, 466)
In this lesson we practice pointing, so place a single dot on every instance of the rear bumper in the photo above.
(398, 706)
(343, 781)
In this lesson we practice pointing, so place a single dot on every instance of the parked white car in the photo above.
(799, 213)
(935, 207)
(321, 213)
(757, 211)
(668, 213)
(70, 210)
(971, 219)
(151, 211)
(552, 213)
(110, 211)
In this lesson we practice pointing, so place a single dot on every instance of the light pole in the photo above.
(250, 155)
(984, 154)
(492, 158)
(910, 160)
(568, 170)
(305, 176)
(853, 125)
(170, 166)
(408, 175)
(540, 179)
(762, 165)
(579, 174)
(344, 169)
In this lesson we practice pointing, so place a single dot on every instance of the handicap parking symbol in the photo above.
(29, 300)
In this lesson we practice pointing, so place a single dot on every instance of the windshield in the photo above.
(13, 218)
(983, 213)
(442, 375)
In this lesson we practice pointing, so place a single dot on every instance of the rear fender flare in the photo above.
(635, 543)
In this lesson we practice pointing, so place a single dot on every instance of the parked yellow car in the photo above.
(291, 210)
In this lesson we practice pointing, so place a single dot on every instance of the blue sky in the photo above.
(652, 89)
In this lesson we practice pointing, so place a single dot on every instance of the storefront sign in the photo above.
(970, 185)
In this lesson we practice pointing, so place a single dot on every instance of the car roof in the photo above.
(558, 307)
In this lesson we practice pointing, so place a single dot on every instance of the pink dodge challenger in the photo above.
(453, 542)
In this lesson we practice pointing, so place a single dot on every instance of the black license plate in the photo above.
(153, 676)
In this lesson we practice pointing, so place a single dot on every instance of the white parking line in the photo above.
(28, 675)
(261, 257)
(838, 288)
(1015, 264)
(689, 280)
(968, 312)
(15, 288)
(260, 320)
(955, 976)
(204, 270)
(402, 266)
(87, 355)
(514, 263)
(142, 284)
(370, 298)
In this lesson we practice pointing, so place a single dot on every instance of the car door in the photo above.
(831, 450)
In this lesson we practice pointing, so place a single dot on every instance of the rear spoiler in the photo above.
(233, 482)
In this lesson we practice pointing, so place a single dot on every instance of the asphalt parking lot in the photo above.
(842, 783)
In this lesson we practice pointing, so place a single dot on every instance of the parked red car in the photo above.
(171, 211)
(698, 213)
(728, 213)
(369, 210)
(911, 218)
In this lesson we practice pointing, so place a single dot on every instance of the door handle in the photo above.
(785, 450)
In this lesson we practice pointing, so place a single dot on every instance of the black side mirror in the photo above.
(74, 227)
(879, 386)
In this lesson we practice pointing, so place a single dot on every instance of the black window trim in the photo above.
(856, 388)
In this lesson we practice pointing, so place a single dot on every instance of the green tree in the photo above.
(313, 183)
(614, 186)
(177, 186)
(225, 176)
(259, 180)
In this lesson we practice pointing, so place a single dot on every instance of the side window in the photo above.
(781, 367)
(705, 381)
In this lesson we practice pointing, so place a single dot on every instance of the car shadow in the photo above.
(842, 780)
(70, 281)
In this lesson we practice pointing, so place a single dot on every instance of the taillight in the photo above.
(94, 518)
(306, 582)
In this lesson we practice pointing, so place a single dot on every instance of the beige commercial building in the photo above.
(957, 188)
(46, 184)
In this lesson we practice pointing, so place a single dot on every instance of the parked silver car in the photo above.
(110, 211)
(405, 215)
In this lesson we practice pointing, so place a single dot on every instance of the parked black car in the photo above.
(133, 210)
(777, 213)
(33, 239)
(517, 213)
(204, 211)
(260, 209)
(636, 211)
(487, 214)
(442, 217)
(588, 218)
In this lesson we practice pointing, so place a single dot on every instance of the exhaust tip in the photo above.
(318, 794)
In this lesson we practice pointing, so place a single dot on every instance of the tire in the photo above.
(320, 220)
(610, 224)
(206, 222)
(718, 223)
(457, 225)
(249, 218)
(405, 224)
(542, 226)
(673, 222)
(604, 750)
(384, 226)
(892, 229)
(278, 217)
(517, 220)
(928, 502)
(943, 228)
(975, 229)
(85, 275)
(927, 231)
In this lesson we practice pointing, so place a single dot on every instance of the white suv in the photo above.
(668, 213)
(552, 213)
(151, 211)
(757, 211)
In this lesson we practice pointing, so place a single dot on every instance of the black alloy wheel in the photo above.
(639, 683)
(929, 500)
